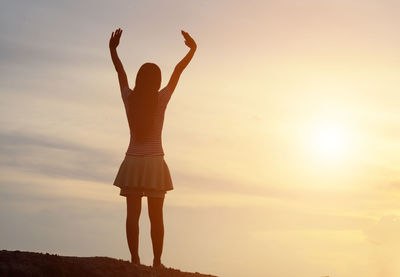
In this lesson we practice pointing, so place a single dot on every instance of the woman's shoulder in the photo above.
(126, 92)
(164, 95)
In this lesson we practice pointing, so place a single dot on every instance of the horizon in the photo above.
(282, 136)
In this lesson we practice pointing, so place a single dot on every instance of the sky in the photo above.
(282, 137)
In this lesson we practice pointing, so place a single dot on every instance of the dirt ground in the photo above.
(20, 263)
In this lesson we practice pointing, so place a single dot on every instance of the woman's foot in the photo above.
(135, 260)
(157, 264)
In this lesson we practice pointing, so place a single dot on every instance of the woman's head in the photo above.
(148, 78)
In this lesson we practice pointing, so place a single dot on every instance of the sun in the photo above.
(330, 141)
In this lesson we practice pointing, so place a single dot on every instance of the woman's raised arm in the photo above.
(173, 81)
(113, 44)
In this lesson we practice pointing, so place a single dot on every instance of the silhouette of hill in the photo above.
(20, 263)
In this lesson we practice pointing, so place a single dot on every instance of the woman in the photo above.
(144, 171)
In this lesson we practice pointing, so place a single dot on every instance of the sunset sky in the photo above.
(282, 137)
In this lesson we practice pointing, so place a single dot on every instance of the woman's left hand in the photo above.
(115, 37)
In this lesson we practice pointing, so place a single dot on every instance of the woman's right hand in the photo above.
(189, 41)
(115, 36)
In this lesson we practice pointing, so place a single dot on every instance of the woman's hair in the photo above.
(143, 101)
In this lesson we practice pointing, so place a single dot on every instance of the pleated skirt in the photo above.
(143, 173)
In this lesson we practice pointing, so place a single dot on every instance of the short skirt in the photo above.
(146, 174)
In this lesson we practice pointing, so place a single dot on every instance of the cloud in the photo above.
(55, 157)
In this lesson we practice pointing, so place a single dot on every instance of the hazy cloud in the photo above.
(55, 157)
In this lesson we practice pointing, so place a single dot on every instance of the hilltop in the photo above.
(20, 263)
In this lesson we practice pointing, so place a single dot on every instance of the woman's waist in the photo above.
(145, 149)
(144, 156)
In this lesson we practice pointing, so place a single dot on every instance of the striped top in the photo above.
(152, 145)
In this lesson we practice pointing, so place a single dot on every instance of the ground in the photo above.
(20, 263)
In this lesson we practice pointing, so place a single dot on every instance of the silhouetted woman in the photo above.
(144, 172)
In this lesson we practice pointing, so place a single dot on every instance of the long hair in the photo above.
(143, 102)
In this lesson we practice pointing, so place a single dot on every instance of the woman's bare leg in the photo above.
(155, 206)
(134, 207)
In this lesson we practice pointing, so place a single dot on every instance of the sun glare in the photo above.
(330, 141)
